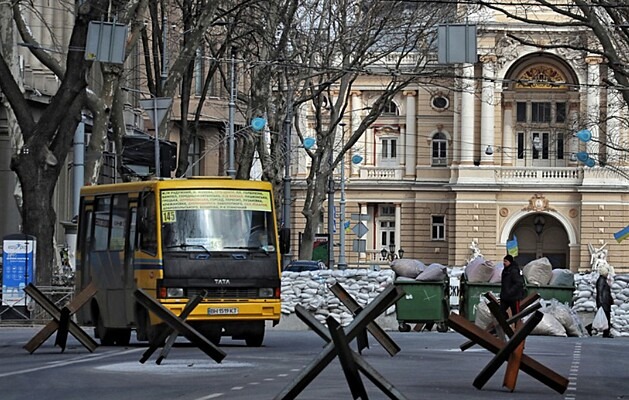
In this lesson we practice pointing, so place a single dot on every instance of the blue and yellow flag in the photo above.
(622, 234)
(512, 246)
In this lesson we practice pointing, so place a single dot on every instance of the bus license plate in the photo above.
(222, 311)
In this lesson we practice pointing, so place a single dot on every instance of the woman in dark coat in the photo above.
(604, 297)
(512, 288)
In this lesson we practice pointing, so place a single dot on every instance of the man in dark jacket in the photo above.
(513, 287)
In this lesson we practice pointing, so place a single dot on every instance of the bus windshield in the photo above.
(217, 220)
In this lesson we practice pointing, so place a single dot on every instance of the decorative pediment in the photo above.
(541, 76)
(538, 203)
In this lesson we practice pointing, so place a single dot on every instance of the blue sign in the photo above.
(18, 267)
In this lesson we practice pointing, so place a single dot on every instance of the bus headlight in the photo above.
(265, 292)
(174, 292)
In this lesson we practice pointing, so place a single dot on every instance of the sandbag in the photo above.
(549, 326)
(561, 277)
(479, 270)
(565, 317)
(538, 272)
(433, 272)
(484, 317)
(496, 276)
(407, 267)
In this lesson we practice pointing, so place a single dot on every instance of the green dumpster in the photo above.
(471, 292)
(423, 302)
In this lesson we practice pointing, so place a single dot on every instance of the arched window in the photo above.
(439, 150)
(390, 108)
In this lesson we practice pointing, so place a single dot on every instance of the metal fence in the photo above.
(27, 311)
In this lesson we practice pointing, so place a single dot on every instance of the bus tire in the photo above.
(123, 337)
(255, 338)
(211, 333)
(107, 336)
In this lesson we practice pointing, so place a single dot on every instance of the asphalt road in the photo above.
(429, 366)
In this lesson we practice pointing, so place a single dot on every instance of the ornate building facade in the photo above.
(490, 156)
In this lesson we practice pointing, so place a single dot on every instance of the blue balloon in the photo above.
(357, 159)
(258, 123)
(584, 135)
(583, 156)
(590, 163)
(309, 142)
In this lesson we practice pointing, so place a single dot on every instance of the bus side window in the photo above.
(148, 224)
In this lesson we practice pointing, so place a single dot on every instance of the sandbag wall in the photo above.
(585, 300)
(310, 290)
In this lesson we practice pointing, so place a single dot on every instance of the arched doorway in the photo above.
(541, 235)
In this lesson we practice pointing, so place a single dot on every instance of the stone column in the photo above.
(468, 88)
(411, 132)
(593, 103)
(614, 133)
(487, 108)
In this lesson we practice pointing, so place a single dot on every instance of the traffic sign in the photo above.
(361, 217)
(360, 229)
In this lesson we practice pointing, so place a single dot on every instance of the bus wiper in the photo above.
(260, 248)
(184, 245)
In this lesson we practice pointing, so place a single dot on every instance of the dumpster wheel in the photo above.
(442, 327)
(404, 327)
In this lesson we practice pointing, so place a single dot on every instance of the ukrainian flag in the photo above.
(622, 234)
(512, 246)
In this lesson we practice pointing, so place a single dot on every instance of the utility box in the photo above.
(471, 292)
(423, 302)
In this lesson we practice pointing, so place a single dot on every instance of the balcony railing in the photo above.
(541, 175)
(387, 173)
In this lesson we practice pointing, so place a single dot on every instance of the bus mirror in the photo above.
(285, 240)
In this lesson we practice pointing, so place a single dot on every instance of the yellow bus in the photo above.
(176, 239)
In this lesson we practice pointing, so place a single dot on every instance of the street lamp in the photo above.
(390, 253)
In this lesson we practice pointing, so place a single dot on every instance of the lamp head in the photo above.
(489, 150)
(400, 252)
(384, 252)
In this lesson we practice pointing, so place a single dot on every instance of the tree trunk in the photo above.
(38, 183)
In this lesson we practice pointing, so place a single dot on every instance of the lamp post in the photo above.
(231, 171)
(331, 213)
(342, 262)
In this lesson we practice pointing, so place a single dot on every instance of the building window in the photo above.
(199, 72)
(388, 148)
(561, 112)
(439, 150)
(520, 145)
(386, 223)
(520, 111)
(194, 156)
(440, 103)
(540, 112)
(389, 108)
(560, 147)
(438, 227)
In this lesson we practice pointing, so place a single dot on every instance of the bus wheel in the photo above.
(255, 337)
(123, 337)
(212, 333)
(107, 336)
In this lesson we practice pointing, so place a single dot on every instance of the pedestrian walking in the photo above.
(512, 288)
(604, 299)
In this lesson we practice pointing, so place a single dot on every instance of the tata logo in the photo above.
(222, 281)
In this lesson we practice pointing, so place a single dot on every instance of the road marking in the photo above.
(210, 396)
(574, 372)
(78, 360)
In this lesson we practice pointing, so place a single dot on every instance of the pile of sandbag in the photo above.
(558, 319)
(538, 272)
(415, 269)
(480, 270)
(585, 299)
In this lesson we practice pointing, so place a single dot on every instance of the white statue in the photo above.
(475, 251)
(598, 257)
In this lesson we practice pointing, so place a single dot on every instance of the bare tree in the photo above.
(598, 28)
(46, 141)
(311, 54)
